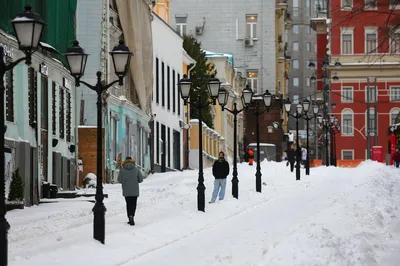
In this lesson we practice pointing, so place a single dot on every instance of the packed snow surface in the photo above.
(335, 216)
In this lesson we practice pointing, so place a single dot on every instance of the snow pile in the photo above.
(335, 216)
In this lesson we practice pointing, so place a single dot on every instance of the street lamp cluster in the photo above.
(77, 58)
(302, 110)
(331, 126)
(247, 98)
(28, 27)
(215, 92)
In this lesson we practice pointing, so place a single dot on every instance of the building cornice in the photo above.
(123, 102)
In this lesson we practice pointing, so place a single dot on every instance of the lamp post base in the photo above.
(201, 198)
(99, 223)
(258, 180)
(307, 167)
(235, 184)
(4, 227)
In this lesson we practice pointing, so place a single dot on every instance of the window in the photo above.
(61, 112)
(372, 94)
(178, 99)
(9, 97)
(295, 64)
(295, 8)
(54, 107)
(252, 79)
(394, 4)
(173, 92)
(162, 84)
(251, 26)
(181, 24)
(347, 94)
(168, 89)
(295, 29)
(157, 140)
(295, 82)
(32, 95)
(169, 146)
(394, 42)
(308, 8)
(371, 126)
(114, 147)
(394, 94)
(347, 122)
(307, 29)
(394, 113)
(370, 42)
(295, 46)
(296, 99)
(157, 80)
(347, 42)
(308, 47)
(347, 3)
(44, 108)
(370, 4)
(347, 154)
(308, 82)
(68, 113)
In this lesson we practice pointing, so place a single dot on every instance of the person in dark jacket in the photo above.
(291, 158)
(396, 158)
(130, 176)
(220, 171)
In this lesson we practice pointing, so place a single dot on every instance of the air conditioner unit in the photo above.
(248, 42)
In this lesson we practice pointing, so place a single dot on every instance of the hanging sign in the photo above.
(43, 69)
(67, 83)
(8, 51)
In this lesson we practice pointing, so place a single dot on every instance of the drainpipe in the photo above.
(187, 122)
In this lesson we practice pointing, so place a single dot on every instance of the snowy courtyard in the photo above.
(335, 216)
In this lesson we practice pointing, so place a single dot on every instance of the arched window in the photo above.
(394, 112)
(347, 122)
(372, 117)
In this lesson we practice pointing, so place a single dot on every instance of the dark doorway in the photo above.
(177, 150)
(163, 149)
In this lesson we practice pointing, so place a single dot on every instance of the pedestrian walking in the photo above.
(130, 176)
(396, 158)
(303, 156)
(220, 171)
(251, 156)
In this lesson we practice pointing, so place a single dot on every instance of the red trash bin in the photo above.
(377, 153)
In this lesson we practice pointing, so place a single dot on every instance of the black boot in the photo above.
(131, 221)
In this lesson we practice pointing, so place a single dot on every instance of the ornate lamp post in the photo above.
(76, 58)
(223, 98)
(186, 90)
(306, 108)
(28, 27)
(334, 127)
(297, 116)
(247, 98)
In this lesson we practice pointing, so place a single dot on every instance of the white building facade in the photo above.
(167, 105)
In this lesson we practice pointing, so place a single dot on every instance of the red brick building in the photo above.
(364, 38)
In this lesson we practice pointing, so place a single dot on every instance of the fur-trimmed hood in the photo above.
(129, 164)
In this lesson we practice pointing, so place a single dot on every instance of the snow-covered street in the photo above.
(335, 216)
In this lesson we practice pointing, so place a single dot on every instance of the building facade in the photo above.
(302, 49)
(40, 121)
(243, 29)
(167, 105)
(127, 108)
(366, 96)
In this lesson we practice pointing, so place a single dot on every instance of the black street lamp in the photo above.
(28, 27)
(306, 107)
(186, 89)
(247, 98)
(297, 116)
(223, 98)
(334, 127)
(76, 58)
